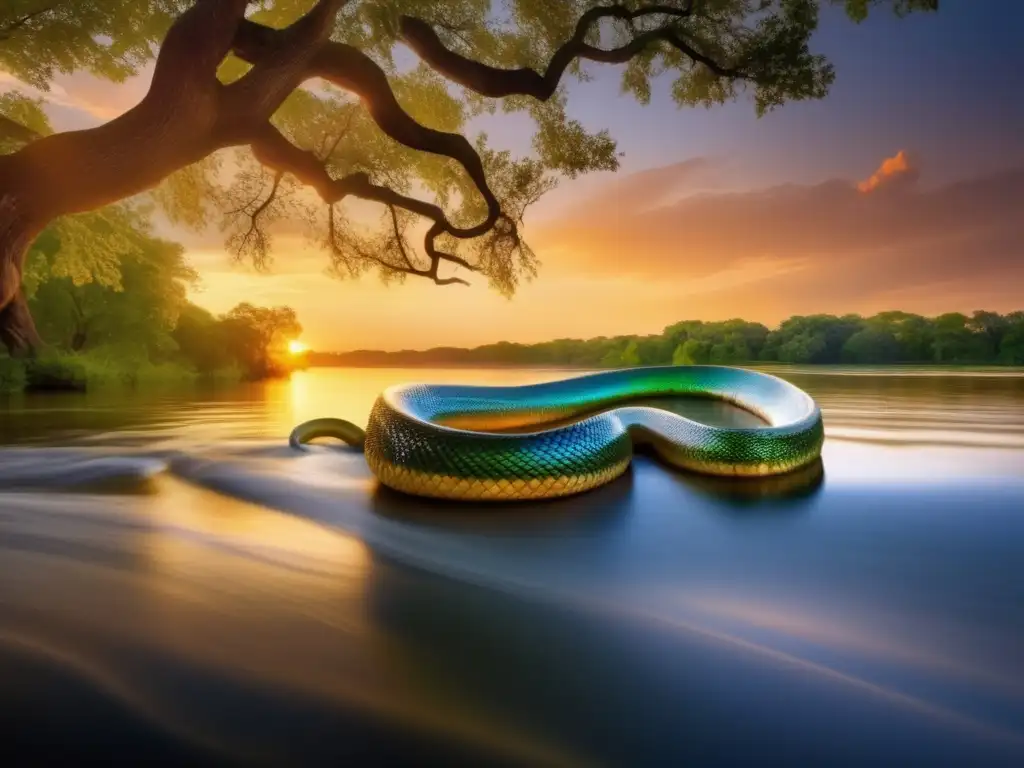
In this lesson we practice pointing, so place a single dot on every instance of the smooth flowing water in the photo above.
(177, 585)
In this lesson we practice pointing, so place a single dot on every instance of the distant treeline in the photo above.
(886, 338)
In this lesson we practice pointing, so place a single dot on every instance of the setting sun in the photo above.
(296, 347)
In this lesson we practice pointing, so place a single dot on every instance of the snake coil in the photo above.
(559, 438)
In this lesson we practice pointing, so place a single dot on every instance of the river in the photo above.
(177, 586)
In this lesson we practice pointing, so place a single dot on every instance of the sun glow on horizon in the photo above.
(296, 347)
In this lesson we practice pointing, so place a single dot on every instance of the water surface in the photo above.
(177, 585)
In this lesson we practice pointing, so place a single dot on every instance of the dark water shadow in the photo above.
(615, 691)
(789, 490)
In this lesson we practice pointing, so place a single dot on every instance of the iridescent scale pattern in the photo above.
(452, 442)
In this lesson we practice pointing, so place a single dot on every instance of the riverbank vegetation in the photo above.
(982, 338)
(110, 302)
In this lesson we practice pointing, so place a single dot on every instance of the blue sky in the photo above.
(947, 86)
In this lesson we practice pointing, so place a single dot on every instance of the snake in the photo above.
(563, 437)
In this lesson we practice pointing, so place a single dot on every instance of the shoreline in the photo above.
(853, 368)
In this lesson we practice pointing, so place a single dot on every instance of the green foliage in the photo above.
(110, 301)
(955, 341)
(87, 248)
(563, 145)
(24, 111)
(258, 337)
(248, 341)
(57, 372)
(201, 340)
(12, 375)
(1011, 348)
(630, 355)
(108, 38)
(696, 342)
(858, 9)
(888, 337)
(990, 327)
(101, 279)
(102, 367)
(190, 196)
(692, 352)
(871, 345)
(914, 334)
(811, 339)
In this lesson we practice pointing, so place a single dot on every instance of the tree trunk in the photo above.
(79, 171)
(18, 330)
(17, 231)
(180, 120)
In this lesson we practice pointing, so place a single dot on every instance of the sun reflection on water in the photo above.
(200, 531)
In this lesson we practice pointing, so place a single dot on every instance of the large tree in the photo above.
(313, 98)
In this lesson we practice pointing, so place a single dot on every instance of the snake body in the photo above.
(559, 438)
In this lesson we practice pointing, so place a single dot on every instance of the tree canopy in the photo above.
(272, 114)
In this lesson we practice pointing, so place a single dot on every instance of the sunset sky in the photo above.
(903, 189)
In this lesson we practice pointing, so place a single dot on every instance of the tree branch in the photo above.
(258, 94)
(408, 268)
(194, 47)
(254, 232)
(400, 237)
(273, 150)
(354, 71)
(171, 127)
(498, 83)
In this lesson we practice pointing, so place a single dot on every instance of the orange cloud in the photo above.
(805, 248)
(892, 167)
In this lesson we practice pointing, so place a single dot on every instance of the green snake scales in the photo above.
(559, 438)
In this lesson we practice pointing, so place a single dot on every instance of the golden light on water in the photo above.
(296, 347)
